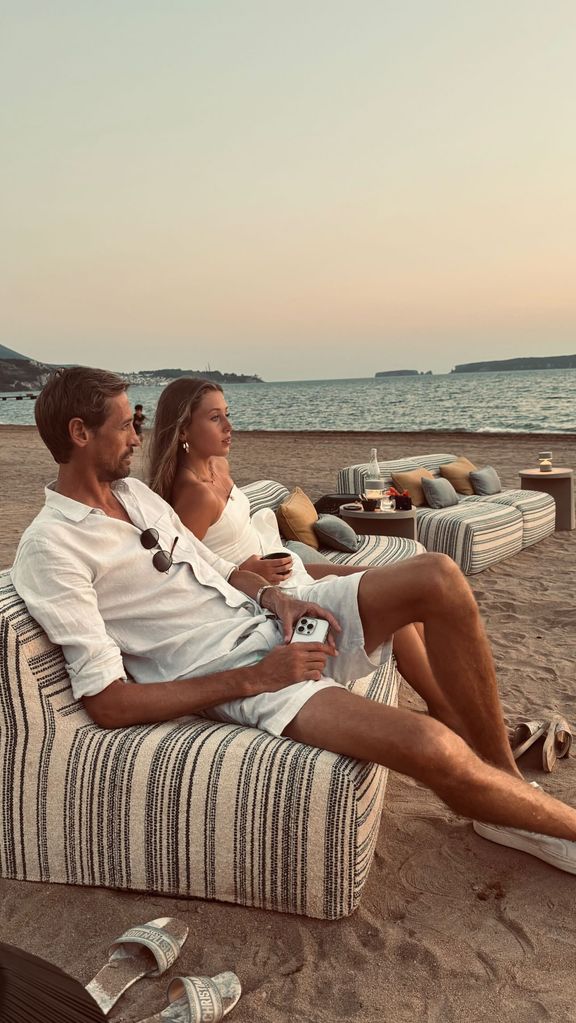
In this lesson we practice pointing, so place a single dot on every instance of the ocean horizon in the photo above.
(521, 401)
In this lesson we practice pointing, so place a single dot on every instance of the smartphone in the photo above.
(310, 630)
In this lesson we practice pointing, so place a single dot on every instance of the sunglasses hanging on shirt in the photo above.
(162, 560)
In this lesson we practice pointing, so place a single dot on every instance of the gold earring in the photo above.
(186, 446)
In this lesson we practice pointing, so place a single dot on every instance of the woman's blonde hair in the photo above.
(176, 406)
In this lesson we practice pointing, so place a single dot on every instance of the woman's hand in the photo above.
(273, 570)
(290, 609)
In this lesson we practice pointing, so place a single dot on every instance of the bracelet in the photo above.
(258, 596)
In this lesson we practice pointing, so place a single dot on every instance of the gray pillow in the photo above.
(333, 532)
(309, 555)
(439, 493)
(485, 481)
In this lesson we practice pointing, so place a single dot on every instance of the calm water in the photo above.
(529, 402)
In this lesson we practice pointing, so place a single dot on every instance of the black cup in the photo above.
(370, 503)
(276, 554)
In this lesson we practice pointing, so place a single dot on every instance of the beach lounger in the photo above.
(191, 807)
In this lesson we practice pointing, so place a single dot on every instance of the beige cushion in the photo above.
(458, 473)
(296, 517)
(410, 481)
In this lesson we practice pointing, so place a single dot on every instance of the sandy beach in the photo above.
(451, 928)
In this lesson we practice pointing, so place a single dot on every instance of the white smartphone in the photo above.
(310, 630)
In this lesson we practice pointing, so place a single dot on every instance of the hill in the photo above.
(20, 373)
(158, 375)
(542, 362)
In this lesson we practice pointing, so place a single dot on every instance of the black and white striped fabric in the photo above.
(478, 531)
(373, 550)
(538, 512)
(193, 807)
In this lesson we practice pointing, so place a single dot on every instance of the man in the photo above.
(113, 576)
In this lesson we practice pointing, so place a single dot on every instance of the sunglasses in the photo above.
(162, 560)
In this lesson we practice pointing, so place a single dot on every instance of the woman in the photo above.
(190, 443)
(189, 469)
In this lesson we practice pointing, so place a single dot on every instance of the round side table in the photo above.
(559, 483)
(382, 523)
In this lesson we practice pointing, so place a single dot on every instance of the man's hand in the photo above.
(273, 570)
(285, 665)
(290, 609)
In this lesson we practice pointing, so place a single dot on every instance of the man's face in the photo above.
(112, 444)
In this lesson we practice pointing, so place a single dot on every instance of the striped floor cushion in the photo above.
(265, 494)
(192, 808)
(538, 512)
(375, 551)
(475, 535)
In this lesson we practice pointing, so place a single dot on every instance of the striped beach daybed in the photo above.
(478, 531)
(190, 807)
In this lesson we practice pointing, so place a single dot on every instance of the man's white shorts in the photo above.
(272, 712)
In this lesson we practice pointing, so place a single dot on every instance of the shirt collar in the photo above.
(73, 510)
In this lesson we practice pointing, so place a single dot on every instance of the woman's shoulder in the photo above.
(188, 492)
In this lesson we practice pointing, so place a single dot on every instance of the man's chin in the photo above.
(119, 473)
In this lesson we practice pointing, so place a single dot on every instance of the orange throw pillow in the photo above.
(458, 473)
(410, 481)
(296, 517)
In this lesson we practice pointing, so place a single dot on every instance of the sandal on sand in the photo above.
(525, 734)
(557, 742)
(199, 999)
(144, 951)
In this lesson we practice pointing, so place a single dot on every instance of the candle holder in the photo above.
(545, 461)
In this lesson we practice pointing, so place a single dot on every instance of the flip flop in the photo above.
(525, 734)
(557, 742)
(147, 950)
(199, 999)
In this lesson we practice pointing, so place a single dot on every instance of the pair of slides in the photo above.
(32, 989)
(557, 739)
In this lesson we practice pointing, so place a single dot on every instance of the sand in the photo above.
(451, 928)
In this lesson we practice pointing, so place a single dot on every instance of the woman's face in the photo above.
(209, 432)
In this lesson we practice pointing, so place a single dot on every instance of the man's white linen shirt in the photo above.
(91, 585)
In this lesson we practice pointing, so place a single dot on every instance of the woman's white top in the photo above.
(235, 536)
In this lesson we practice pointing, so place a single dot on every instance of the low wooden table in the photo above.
(559, 483)
(382, 523)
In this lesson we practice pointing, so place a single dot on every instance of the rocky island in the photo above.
(397, 373)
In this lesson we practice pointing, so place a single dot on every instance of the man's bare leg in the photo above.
(416, 745)
(414, 666)
(432, 590)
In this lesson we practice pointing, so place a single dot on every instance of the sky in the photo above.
(303, 190)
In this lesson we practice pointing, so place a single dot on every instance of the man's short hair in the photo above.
(75, 393)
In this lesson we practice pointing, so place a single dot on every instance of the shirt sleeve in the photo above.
(59, 593)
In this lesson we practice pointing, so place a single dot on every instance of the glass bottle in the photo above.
(374, 468)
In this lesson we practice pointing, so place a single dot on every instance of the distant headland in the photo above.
(19, 373)
(158, 376)
(545, 362)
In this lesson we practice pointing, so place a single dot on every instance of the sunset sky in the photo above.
(320, 188)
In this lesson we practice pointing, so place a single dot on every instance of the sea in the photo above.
(529, 401)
